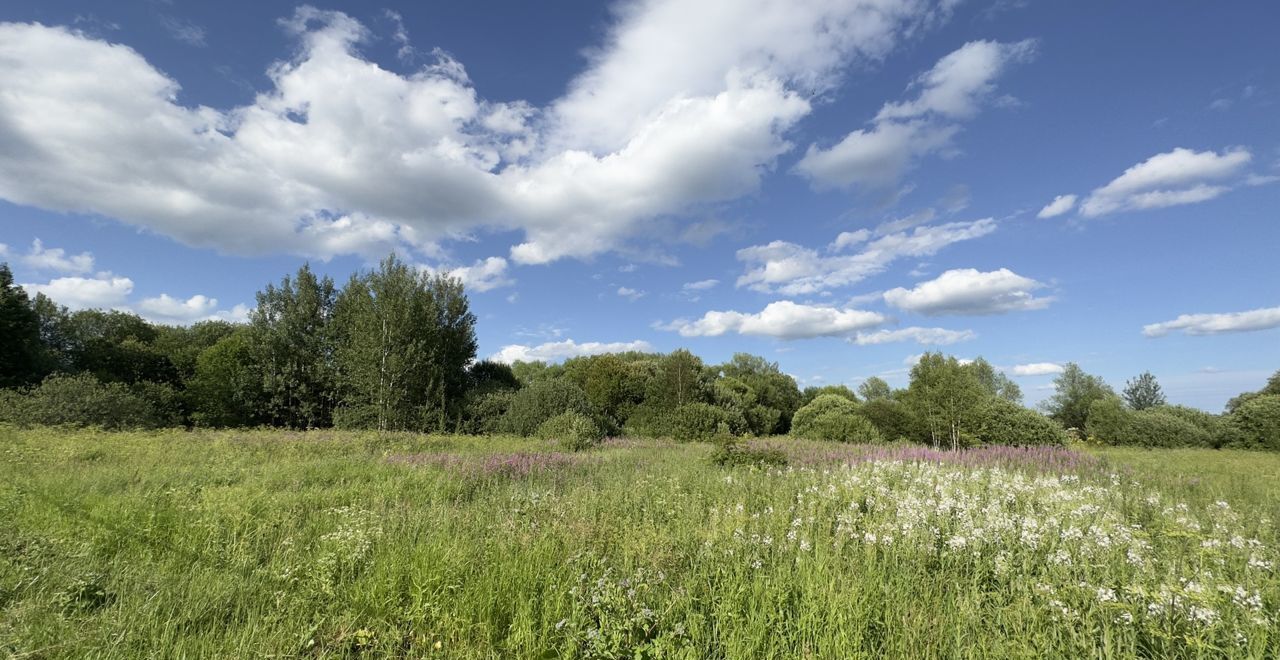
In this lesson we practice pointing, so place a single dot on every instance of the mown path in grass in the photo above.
(252, 544)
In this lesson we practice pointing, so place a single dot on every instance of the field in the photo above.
(278, 544)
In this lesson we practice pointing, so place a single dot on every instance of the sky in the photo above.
(836, 185)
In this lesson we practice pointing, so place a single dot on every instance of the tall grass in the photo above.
(255, 544)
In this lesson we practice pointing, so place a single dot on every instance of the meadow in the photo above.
(331, 544)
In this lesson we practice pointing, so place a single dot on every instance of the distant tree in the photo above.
(995, 382)
(21, 352)
(1143, 392)
(226, 387)
(404, 340)
(114, 346)
(772, 389)
(875, 388)
(293, 346)
(833, 417)
(488, 376)
(183, 345)
(814, 391)
(534, 370)
(945, 395)
(1074, 392)
(1272, 387)
(681, 378)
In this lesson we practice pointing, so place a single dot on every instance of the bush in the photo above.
(1111, 423)
(540, 401)
(732, 453)
(574, 431)
(1217, 432)
(833, 417)
(701, 421)
(1257, 421)
(485, 412)
(892, 418)
(1002, 422)
(79, 400)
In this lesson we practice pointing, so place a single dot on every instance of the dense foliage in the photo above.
(395, 348)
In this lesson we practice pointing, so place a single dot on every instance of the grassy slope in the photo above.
(249, 544)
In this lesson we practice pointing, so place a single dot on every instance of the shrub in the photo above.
(1217, 432)
(1002, 422)
(701, 421)
(1111, 423)
(1258, 422)
(540, 401)
(647, 420)
(892, 418)
(574, 431)
(833, 417)
(732, 453)
(485, 412)
(80, 400)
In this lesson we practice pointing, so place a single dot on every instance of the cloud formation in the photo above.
(927, 336)
(1060, 204)
(783, 319)
(904, 132)
(1215, 324)
(683, 105)
(793, 269)
(1181, 176)
(556, 351)
(1037, 369)
(968, 291)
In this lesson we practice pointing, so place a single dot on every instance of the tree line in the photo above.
(394, 349)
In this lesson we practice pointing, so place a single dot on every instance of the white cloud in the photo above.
(183, 30)
(105, 291)
(1181, 176)
(560, 350)
(1060, 204)
(928, 336)
(967, 291)
(1037, 369)
(630, 294)
(174, 311)
(792, 269)
(700, 285)
(483, 275)
(783, 319)
(1213, 324)
(684, 104)
(848, 239)
(56, 259)
(902, 133)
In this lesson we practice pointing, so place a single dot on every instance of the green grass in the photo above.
(279, 544)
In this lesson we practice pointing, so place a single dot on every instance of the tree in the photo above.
(814, 391)
(874, 388)
(293, 347)
(21, 351)
(680, 379)
(833, 417)
(945, 395)
(1143, 392)
(1074, 392)
(226, 388)
(772, 389)
(404, 340)
(995, 382)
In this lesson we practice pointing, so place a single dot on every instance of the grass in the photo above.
(328, 544)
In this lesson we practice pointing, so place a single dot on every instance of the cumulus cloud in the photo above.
(1181, 176)
(175, 311)
(1214, 324)
(968, 291)
(793, 269)
(106, 291)
(483, 275)
(927, 336)
(560, 350)
(902, 133)
(1037, 369)
(54, 259)
(1060, 204)
(683, 105)
(783, 319)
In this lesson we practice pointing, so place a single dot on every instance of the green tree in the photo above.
(833, 417)
(814, 391)
(874, 388)
(21, 351)
(945, 395)
(1143, 392)
(772, 390)
(404, 340)
(681, 378)
(1074, 392)
(293, 344)
(226, 388)
(995, 382)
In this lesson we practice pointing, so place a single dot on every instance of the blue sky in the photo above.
(836, 185)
